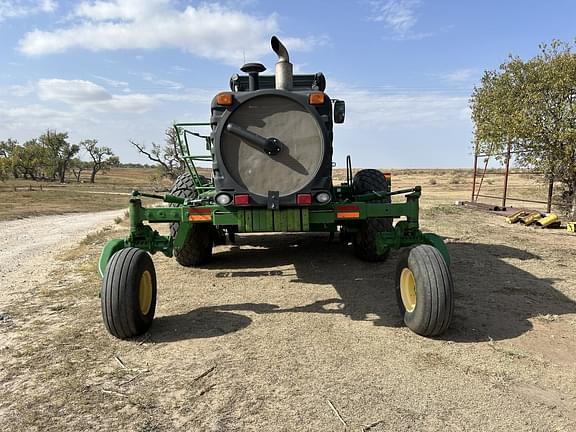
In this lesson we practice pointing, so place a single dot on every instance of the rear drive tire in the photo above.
(128, 296)
(364, 241)
(197, 249)
(424, 290)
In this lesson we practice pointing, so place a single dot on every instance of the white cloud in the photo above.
(398, 15)
(130, 103)
(71, 91)
(111, 82)
(35, 116)
(88, 95)
(460, 75)
(120, 9)
(177, 68)
(48, 5)
(367, 108)
(21, 8)
(19, 90)
(173, 85)
(206, 30)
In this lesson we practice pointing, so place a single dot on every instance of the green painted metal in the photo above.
(305, 215)
(110, 248)
(322, 217)
(264, 220)
(437, 241)
(227, 218)
(171, 199)
(182, 131)
(293, 217)
(182, 235)
(281, 222)
(302, 219)
(247, 222)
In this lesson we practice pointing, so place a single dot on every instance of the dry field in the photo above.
(279, 327)
(25, 198)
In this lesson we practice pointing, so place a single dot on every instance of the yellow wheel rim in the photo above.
(408, 289)
(145, 292)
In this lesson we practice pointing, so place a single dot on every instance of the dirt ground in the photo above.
(278, 327)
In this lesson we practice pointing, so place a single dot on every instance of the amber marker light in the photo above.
(347, 212)
(316, 98)
(199, 215)
(225, 99)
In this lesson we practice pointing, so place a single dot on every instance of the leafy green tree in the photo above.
(4, 168)
(102, 157)
(531, 105)
(31, 160)
(6, 158)
(60, 153)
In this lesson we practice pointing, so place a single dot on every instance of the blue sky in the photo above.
(120, 70)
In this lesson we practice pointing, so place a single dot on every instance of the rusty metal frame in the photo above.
(504, 197)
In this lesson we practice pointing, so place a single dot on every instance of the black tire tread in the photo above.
(197, 249)
(120, 316)
(365, 181)
(430, 270)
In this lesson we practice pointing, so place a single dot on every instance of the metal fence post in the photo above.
(506, 173)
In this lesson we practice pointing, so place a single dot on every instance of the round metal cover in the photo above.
(302, 146)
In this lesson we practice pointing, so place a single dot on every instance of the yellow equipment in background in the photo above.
(571, 227)
(543, 220)
(550, 221)
(515, 217)
(531, 218)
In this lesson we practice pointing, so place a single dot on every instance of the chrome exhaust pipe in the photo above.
(284, 70)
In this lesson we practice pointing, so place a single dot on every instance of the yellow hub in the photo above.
(145, 292)
(408, 289)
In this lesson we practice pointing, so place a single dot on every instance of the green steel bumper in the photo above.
(326, 218)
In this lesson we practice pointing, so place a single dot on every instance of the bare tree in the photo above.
(102, 157)
(166, 156)
(78, 166)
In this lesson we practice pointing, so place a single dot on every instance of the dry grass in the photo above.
(25, 198)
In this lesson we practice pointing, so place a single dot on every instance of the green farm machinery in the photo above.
(270, 148)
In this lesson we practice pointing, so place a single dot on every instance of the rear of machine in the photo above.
(270, 146)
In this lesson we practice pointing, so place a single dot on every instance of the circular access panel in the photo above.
(302, 146)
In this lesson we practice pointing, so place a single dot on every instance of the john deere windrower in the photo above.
(271, 154)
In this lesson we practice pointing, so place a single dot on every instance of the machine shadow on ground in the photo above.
(494, 299)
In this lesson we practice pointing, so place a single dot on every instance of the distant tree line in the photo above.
(52, 157)
(531, 106)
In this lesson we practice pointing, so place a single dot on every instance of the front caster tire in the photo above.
(128, 294)
(424, 290)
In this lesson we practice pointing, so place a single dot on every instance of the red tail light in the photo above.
(304, 199)
(241, 199)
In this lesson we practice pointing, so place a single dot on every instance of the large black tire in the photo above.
(128, 296)
(424, 290)
(197, 249)
(364, 241)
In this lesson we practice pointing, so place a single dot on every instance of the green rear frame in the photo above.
(346, 210)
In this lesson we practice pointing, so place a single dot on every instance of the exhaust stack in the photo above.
(283, 67)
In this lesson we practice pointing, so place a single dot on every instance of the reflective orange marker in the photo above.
(316, 98)
(225, 99)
